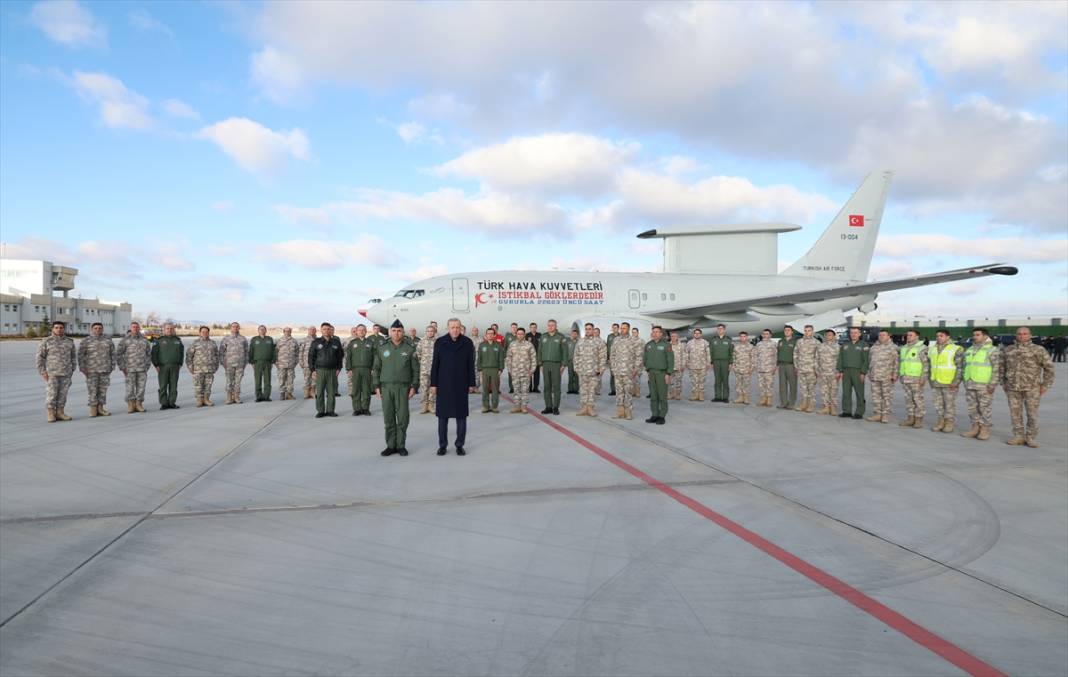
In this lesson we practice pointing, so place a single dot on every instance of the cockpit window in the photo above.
(410, 293)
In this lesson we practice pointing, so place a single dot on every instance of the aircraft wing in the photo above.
(827, 293)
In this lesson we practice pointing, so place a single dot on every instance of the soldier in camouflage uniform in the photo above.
(1026, 373)
(827, 372)
(947, 370)
(742, 363)
(202, 361)
(679, 352)
(624, 362)
(309, 382)
(234, 351)
(981, 370)
(882, 373)
(96, 359)
(914, 370)
(521, 360)
(806, 362)
(698, 359)
(286, 354)
(637, 346)
(765, 358)
(133, 358)
(56, 360)
(590, 359)
(425, 352)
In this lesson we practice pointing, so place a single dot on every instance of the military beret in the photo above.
(396, 325)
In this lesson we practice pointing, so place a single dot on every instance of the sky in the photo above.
(282, 162)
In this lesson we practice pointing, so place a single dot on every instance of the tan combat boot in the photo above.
(590, 411)
(582, 411)
(701, 398)
(93, 411)
(974, 432)
(140, 406)
(918, 423)
(102, 411)
(208, 402)
(875, 418)
(948, 427)
(425, 409)
(61, 415)
(907, 423)
(307, 394)
(938, 426)
(516, 410)
(738, 400)
(200, 401)
(51, 414)
(131, 407)
(1030, 441)
(229, 398)
(886, 418)
(824, 410)
(1016, 441)
(630, 414)
(984, 433)
(620, 413)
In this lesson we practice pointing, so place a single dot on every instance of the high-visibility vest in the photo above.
(910, 362)
(977, 367)
(943, 364)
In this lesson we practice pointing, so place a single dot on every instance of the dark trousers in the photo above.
(261, 373)
(552, 384)
(722, 371)
(851, 384)
(537, 380)
(168, 383)
(788, 385)
(612, 384)
(443, 432)
(572, 380)
(325, 390)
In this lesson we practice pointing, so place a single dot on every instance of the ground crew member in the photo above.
(591, 358)
(168, 354)
(947, 370)
(56, 360)
(359, 361)
(742, 363)
(1026, 374)
(234, 352)
(659, 362)
(852, 368)
(721, 348)
(261, 356)
(608, 345)
(787, 370)
(305, 345)
(806, 358)
(551, 355)
(913, 369)
(326, 357)
(425, 352)
(698, 360)
(678, 352)
(765, 357)
(572, 377)
(396, 374)
(982, 362)
(827, 372)
(202, 361)
(623, 362)
(521, 362)
(133, 358)
(96, 359)
(286, 352)
(489, 360)
(882, 373)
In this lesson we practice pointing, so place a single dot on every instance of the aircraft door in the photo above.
(634, 299)
(460, 300)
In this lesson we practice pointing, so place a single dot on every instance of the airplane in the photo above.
(712, 274)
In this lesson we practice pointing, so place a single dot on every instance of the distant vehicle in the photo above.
(151, 333)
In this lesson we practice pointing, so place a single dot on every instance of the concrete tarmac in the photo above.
(256, 539)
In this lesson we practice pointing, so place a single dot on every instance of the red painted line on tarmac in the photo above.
(914, 631)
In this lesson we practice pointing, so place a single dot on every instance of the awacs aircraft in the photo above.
(712, 274)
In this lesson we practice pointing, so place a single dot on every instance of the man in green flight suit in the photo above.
(395, 374)
(359, 359)
(852, 368)
(721, 348)
(552, 353)
(489, 359)
(659, 361)
(787, 370)
(261, 356)
(168, 355)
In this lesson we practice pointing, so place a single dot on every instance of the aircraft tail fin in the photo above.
(845, 249)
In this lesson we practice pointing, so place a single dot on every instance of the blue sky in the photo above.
(283, 161)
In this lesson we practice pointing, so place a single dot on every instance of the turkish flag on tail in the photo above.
(856, 220)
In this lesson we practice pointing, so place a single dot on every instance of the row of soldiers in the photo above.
(803, 365)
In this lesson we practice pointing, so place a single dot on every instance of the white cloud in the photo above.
(321, 254)
(422, 272)
(222, 205)
(559, 163)
(179, 109)
(278, 75)
(143, 21)
(118, 106)
(439, 106)
(990, 250)
(303, 215)
(256, 148)
(411, 132)
(172, 257)
(68, 23)
(32, 247)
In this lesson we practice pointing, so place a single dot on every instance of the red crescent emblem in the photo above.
(478, 299)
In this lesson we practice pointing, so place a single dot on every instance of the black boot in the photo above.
(319, 415)
(547, 410)
(556, 412)
(402, 451)
(460, 451)
(651, 419)
(660, 420)
(388, 452)
(845, 415)
(441, 451)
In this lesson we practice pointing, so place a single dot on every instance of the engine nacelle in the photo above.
(868, 307)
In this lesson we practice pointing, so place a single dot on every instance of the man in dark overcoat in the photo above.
(452, 378)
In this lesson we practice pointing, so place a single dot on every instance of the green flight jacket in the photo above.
(721, 348)
(854, 356)
(489, 356)
(658, 356)
(260, 349)
(360, 353)
(786, 350)
(167, 350)
(552, 348)
(396, 364)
